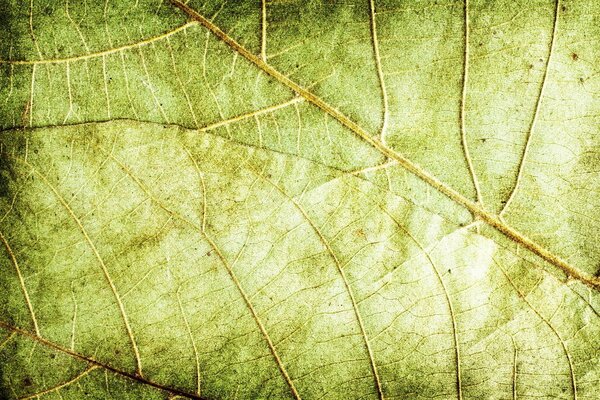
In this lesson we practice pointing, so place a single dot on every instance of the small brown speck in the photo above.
(574, 56)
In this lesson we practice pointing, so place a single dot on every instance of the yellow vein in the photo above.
(535, 112)
(241, 290)
(191, 335)
(183, 89)
(374, 168)
(104, 52)
(76, 26)
(74, 320)
(463, 104)
(33, 38)
(263, 25)
(342, 274)
(125, 77)
(30, 104)
(5, 341)
(222, 258)
(448, 301)
(70, 93)
(92, 361)
(514, 371)
(62, 385)
(384, 95)
(150, 87)
(98, 258)
(207, 83)
(473, 207)
(105, 78)
(13, 259)
(241, 117)
(523, 297)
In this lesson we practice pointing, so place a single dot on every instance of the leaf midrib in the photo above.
(492, 220)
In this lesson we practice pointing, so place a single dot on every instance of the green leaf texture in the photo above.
(290, 199)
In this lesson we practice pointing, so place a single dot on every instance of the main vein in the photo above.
(475, 208)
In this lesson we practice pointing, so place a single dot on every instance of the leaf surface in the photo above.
(290, 199)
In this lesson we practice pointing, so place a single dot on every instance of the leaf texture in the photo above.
(299, 199)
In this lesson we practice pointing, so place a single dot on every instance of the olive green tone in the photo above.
(178, 221)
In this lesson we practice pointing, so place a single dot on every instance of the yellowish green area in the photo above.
(281, 199)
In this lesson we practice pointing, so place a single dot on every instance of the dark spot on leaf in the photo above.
(574, 56)
(27, 381)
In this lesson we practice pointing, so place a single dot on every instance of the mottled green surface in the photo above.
(176, 222)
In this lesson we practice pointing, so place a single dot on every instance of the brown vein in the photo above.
(13, 259)
(475, 208)
(98, 258)
(104, 52)
(62, 385)
(217, 250)
(535, 112)
(106, 367)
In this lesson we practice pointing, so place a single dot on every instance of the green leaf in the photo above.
(299, 199)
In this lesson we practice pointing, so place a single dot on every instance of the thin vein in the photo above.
(523, 297)
(151, 87)
(76, 26)
(98, 258)
(448, 302)
(106, 367)
(62, 385)
(33, 38)
(343, 276)
(475, 208)
(536, 112)
(263, 25)
(104, 52)
(225, 122)
(13, 259)
(384, 95)
(183, 89)
(70, 93)
(514, 371)
(105, 78)
(463, 104)
(217, 250)
(207, 83)
(8, 339)
(126, 79)
(30, 104)
(191, 335)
